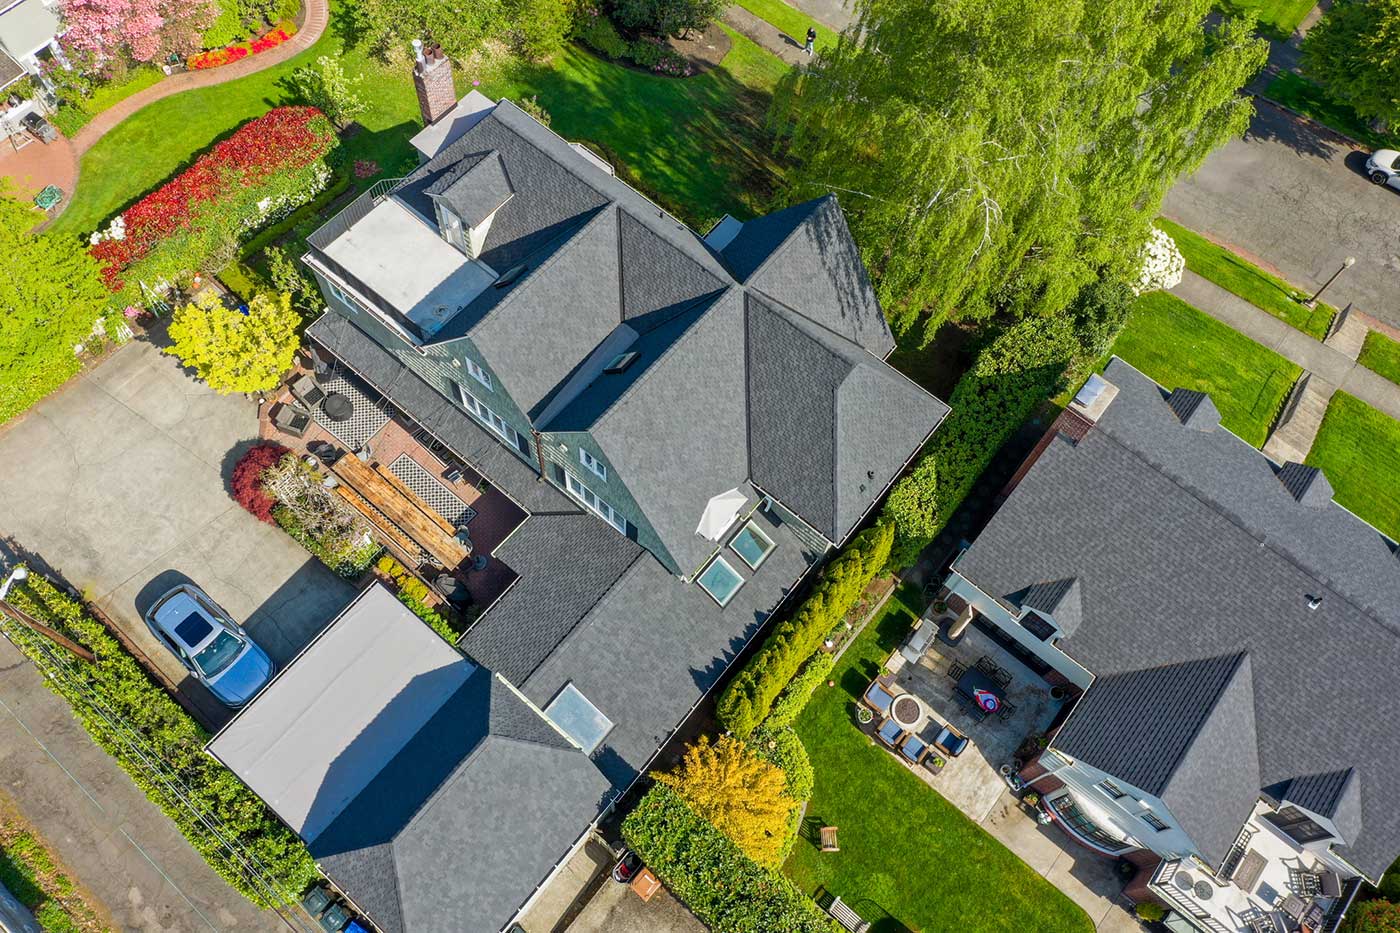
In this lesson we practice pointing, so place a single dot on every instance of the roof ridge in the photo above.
(787, 240)
(627, 571)
(570, 239)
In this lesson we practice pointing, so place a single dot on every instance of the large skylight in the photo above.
(752, 545)
(720, 580)
(579, 718)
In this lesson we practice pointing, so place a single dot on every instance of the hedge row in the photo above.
(795, 696)
(124, 688)
(747, 699)
(728, 891)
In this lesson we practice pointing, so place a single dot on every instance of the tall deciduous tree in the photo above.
(233, 351)
(996, 155)
(51, 293)
(744, 796)
(1355, 52)
(327, 87)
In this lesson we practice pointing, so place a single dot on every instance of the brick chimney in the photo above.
(432, 79)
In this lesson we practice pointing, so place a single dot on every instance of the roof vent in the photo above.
(510, 275)
(1314, 602)
(1306, 484)
(620, 362)
(1194, 409)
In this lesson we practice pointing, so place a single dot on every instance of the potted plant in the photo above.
(864, 716)
(938, 761)
(940, 606)
(1031, 799)
(1150, 912)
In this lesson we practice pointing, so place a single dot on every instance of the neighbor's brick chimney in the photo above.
(432, 79)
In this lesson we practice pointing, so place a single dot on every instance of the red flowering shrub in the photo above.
(232, 53)
(238, 173)
(247, 479)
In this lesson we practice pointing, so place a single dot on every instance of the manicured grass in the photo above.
(1358, 448)
(1181, 347)
(791, 21)
(697, 145)
(1277, 18)
(909, 859)
(1310, 99)
(30, 873)
(1382, 355)
(1259, 288)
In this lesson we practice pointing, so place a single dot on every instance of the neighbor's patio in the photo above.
(930, 668)
(364, 425)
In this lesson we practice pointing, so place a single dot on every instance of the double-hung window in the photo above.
(589, 498)
(593, 463)
(492, 420)
(479, 374)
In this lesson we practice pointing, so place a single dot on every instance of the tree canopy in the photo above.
(233, 351)
(1354, 51)
(994, 156)
(744, 796)
(535, 27)
(51, 293)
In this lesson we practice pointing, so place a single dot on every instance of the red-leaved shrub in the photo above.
(247, 479)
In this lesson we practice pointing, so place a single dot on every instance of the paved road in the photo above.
(118, 481)
(118, 845)
(1298, 198)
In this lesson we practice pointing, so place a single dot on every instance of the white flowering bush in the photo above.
(116, 230)
(1161, 264)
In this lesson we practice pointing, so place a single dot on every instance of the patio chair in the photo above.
(1304, 883)
(950, 742)
(878, 698)
(913, 748)
(305, 389)
(890, 733)
(289, 419)
(956, 669)
(828, 839)
(1002, 677)
(1006, 711)
(987, 666)
(1262, 923)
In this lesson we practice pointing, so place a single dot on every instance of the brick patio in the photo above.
(495, 515)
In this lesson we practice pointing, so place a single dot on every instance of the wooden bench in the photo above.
(395, 538)
(408, 513)
(846, 917)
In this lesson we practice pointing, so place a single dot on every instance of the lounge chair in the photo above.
(951, 742)
(289, 419)
(890, 733)
(913, 748)
(878, 698)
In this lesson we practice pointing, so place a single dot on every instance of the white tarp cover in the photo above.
(327, 724)
(720, 513)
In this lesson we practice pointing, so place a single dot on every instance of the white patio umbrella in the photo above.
(719, 514)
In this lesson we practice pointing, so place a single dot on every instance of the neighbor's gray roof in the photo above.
(829, 424)
(457, 829)
(804, 257)
(1187, 545)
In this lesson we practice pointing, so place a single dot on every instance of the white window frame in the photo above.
(488, 417)
(595, 503)
(758, 532)
(593, 464)
(719, 559)
(479, 374)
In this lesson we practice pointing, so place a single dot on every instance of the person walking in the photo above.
(811, 45)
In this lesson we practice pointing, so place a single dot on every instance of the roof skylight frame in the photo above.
(619, 363)
(736, 576)
(579, 718)
(768, 544)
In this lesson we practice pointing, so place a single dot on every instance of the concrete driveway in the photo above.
(119, 482)
(1299, 199)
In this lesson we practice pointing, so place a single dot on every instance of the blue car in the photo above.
(210, 645)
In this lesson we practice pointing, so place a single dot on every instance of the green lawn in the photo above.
(1359, 450)
(909, 860)
(1181, 347)
(696, 145)
(1277, 18)
(789, 20)
(28, 870)
(1310, 99)
(1259, 288)
(1382, 355)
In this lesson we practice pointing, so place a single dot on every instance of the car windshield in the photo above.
(218, 654)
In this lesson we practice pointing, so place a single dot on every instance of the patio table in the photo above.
(973, 681)
(338, 407)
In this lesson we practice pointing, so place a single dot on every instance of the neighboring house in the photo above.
(691, 423)
(1236, 637)
(27, 27)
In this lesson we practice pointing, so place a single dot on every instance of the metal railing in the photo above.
(352, 213)
(1184, 904)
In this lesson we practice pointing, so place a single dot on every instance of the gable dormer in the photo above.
(467, 199)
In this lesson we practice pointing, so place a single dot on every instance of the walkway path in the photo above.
(317, 17)
(770, 37)
(1330, 368)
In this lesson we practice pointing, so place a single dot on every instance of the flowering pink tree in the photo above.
(148, 30)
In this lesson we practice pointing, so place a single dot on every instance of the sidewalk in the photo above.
(770, 37)
(317, 17)
(119, 846)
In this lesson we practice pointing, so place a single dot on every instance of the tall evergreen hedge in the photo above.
(749, 696)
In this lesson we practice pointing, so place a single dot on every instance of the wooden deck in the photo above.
(408, 513)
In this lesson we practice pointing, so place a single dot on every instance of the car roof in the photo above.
(176, 610)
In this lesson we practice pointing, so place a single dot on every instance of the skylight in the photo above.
(621, 362)
(752, 545)
(721, 581)
(580, 719)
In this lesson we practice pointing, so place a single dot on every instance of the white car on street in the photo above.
(1383, 168)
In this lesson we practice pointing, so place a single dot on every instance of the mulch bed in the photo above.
(704, 50)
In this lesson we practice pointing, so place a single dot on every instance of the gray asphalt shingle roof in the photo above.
(475, 189)
(1186, 546)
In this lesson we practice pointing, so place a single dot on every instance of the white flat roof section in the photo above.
(26, 27)
(470, 111)
(409, 265)
(326, 725)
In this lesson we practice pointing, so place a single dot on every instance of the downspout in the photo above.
(539, 453)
